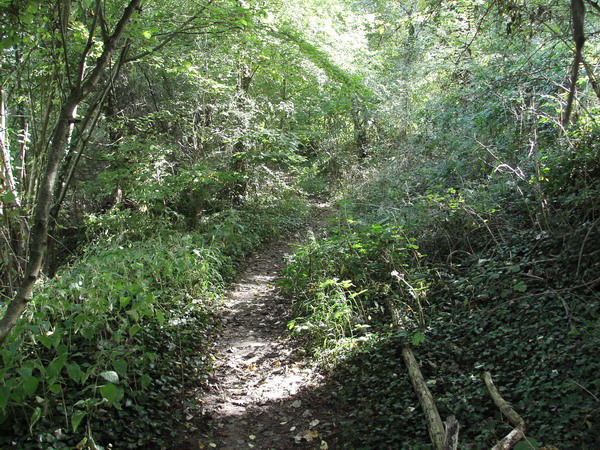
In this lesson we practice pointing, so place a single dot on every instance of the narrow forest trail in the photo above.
(260, 391)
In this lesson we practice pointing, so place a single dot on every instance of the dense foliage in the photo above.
(470, 234)
(147, 147)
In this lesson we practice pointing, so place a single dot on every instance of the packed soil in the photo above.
(264, 393)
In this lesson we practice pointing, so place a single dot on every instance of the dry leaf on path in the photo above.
(310, 435)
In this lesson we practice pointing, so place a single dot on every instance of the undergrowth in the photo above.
(496, 273)
(108, 347)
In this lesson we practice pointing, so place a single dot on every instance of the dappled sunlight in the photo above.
(256, 394)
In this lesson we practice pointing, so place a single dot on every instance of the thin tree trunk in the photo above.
(38, 240)
(6, 171)
(577, 17)
(360, 133)
(240, 187)
(67, 172)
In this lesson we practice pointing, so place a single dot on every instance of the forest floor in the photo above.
(264, 392)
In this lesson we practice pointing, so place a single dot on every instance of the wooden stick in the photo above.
(451, 437)
(434, 422)
(514, 418)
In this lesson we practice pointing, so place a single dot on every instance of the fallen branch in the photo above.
(513, 417)
(434, 422)
(441, 439)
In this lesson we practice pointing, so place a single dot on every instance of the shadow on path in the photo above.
(262, 393)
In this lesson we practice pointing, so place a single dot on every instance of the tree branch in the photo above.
(434, 422)
(513, 417)
(171, 35)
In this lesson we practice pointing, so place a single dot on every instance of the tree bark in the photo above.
(38, 240)
(239, 187)
(514, 418)
(434, 421)
(451, 438)
(6, 171)
(577, 16)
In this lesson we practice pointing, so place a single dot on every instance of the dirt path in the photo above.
(260, 393)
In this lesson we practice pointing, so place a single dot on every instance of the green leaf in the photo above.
(45, 340)
(25, 370)
(134, 330)
(55, 367)
(74, 372)
(145, 380)
(112, 394)
(30, 385)
(76, 419)
(54, 388)
(160, 316)
(527, 444)
(62, 350)
(37, 413)
(418, 338)
(111, 376)
(5, 43)
(124, 301)
(520, 287)
(120, 366)
(147, 34)
(8, 198)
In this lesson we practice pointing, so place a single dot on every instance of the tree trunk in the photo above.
(240, 187)
(16, 226)
(451, 436)
(38, 239)
(577, 17)
(360, 133)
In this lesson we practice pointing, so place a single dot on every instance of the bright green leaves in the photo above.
(345, 283)
(418, 338)
(76, 418)
(112, 394)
